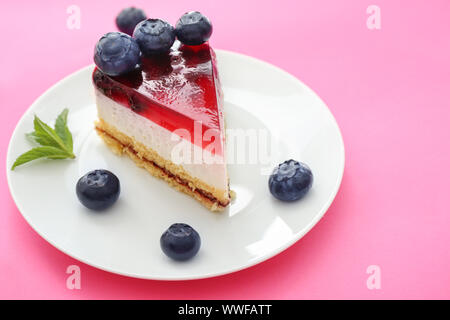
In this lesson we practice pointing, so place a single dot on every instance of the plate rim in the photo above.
(271, 254)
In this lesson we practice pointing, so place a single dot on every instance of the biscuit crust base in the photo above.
(174, 175)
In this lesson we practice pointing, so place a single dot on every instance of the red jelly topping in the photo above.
(173, 90)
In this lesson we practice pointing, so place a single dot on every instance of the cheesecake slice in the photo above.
(168, 117)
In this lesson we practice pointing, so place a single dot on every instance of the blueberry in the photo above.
(290, 181)
(98, 189)
(154, 36)
(128, 18)
(180, 242)
(116, 53)
(193, 28)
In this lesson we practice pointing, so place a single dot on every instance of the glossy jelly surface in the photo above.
(174, 90)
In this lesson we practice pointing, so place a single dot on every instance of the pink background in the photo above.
(388, 89)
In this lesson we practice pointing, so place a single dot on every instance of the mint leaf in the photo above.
(42, 139)
(40, 152)
(31, 137)
(55, 143)
(48, 137)
(62, 130)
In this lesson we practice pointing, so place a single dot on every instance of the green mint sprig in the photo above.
(54, 143)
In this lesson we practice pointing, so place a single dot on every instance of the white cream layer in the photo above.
(161, 140)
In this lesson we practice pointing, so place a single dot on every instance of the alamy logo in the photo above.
(74, 280)
(74, 18)
(374, 20)
(249, 146)
(374, 280)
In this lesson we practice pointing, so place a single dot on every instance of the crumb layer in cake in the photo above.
(166, 144)
(144, 157)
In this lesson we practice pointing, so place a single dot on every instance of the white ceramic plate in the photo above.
(125, 238)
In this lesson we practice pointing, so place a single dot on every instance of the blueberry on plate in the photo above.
(128, 18)
(98, 189)
(193, 28)
(154, 36)
(290, 181)
(180, 242)
(116, 53)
